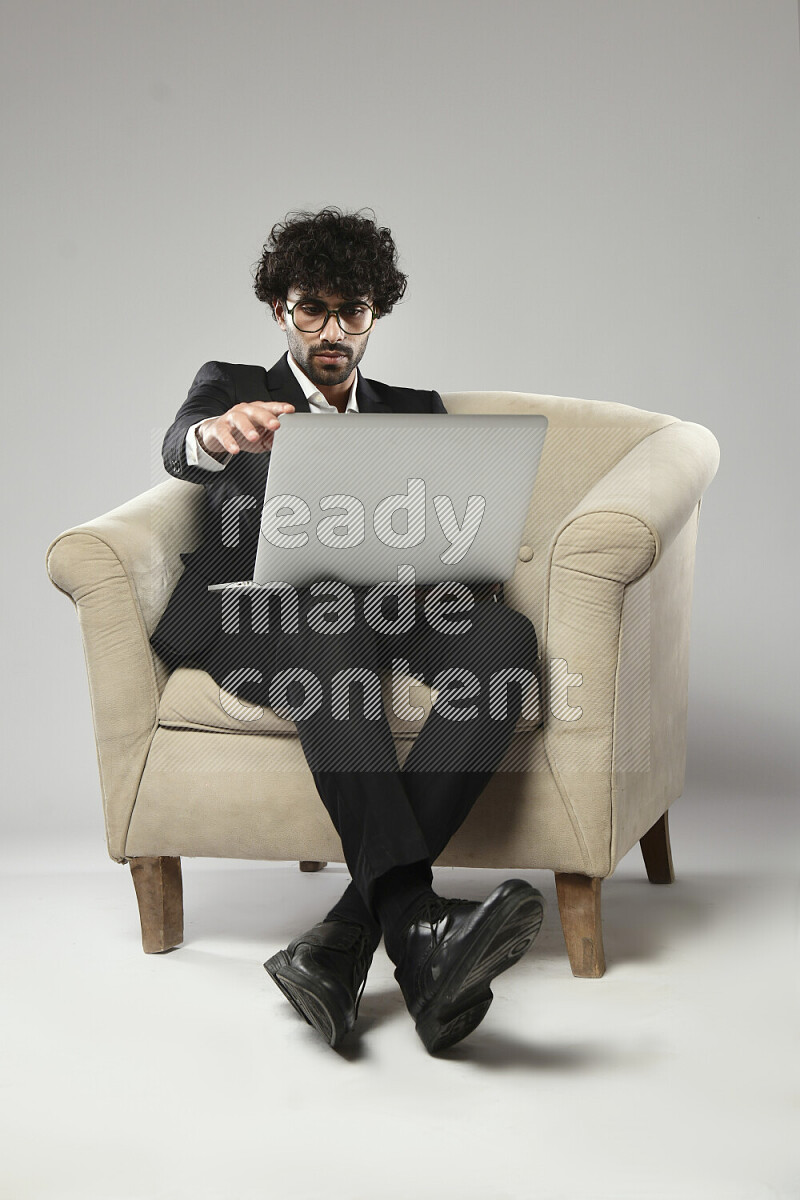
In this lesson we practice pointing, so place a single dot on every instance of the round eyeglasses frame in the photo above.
(329, 312)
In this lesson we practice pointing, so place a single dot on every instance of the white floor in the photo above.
(186, 1075)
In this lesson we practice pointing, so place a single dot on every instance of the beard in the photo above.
(325, 374)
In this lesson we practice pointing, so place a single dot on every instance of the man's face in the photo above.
(330, 355)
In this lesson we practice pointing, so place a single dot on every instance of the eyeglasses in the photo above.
(310, 316)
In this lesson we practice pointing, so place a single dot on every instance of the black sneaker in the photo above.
(323, 973)
(454, 948)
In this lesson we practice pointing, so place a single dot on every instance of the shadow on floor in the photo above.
(641, 921)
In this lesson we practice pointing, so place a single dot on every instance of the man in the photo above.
(327, 277)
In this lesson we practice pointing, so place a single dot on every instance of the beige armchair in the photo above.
(605, 573)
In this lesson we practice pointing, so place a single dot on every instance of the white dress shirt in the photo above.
(196, 456)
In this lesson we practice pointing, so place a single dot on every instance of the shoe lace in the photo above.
(357, 944)
(435, 911)
(363, 953)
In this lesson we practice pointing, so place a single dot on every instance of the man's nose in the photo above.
(331, 331)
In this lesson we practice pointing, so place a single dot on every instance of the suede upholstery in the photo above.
(605, 573)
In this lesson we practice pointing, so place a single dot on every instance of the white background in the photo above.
(593, 198)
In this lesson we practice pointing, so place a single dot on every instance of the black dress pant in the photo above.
(324, 679)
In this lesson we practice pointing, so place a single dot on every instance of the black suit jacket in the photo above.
(191, 620)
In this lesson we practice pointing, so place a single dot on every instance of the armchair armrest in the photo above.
(119, 571)
(623, 525)
(605, 648)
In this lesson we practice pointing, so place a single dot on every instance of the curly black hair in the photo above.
(330, 251)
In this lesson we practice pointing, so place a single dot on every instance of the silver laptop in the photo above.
(357, 500)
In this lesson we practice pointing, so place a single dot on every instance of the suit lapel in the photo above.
(368, 399)
(283, 388)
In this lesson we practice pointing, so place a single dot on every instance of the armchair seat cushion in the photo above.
(192, 700)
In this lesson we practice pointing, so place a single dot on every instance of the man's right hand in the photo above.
(248, 427)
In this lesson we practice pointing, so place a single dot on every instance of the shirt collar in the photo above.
(314, 396)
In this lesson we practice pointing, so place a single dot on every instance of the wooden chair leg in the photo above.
(657, 853)
(579, 907)
(308, 864)
(159, 891)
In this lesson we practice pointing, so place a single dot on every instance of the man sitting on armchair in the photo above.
(327, 277)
